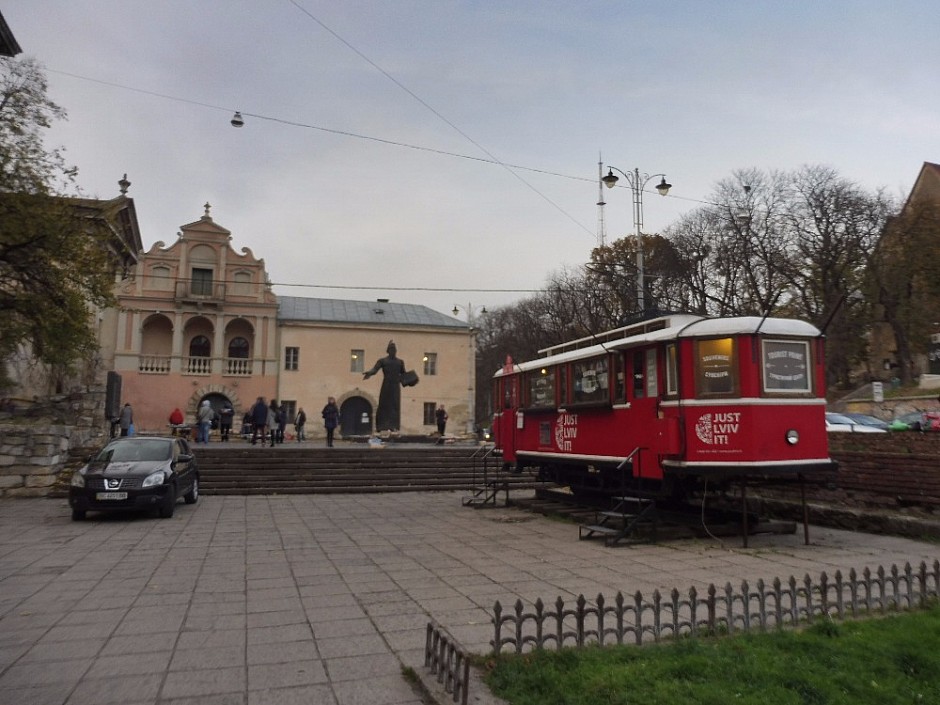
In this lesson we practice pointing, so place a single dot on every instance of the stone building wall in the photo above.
(38, 442)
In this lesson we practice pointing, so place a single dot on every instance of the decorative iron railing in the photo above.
(718, 611)
(447, 660)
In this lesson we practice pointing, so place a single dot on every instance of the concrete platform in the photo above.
(320, 599)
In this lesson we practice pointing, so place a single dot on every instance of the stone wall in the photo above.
(37, 443)
(885, 483)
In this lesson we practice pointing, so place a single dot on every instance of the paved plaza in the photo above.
(319, 599)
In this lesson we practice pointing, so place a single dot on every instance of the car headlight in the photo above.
(78, 478)
(154, 479)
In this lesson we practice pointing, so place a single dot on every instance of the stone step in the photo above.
(241, 469)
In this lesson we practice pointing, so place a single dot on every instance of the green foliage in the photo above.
(54, 259)
(890, 661)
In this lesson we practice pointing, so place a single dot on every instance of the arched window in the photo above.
(200, 347)
(238, 347)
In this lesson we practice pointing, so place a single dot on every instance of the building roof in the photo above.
(383, 313)
(8, 44)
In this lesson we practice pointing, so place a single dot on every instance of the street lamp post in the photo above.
(470, 310)
(637, 183)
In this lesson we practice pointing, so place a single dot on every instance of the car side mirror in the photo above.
(184, 458)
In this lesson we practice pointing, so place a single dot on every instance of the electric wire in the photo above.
(441, 117)
(356, 135)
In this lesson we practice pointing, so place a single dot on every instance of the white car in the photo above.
(843, 424)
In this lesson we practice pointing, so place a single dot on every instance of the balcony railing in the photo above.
(237, 367)
(192, 365)
(197, 365)
(154, 364)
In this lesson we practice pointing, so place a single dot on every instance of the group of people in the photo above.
(269, 422)
(206, 418)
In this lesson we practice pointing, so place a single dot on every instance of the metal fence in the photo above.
(447, 660)
(718, 611)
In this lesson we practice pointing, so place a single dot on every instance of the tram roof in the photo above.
(667, 328)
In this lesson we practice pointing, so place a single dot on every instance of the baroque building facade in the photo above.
(199, 321)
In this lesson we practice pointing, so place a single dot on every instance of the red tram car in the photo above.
(668, 403)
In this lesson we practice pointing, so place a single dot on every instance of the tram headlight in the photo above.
(793, 437)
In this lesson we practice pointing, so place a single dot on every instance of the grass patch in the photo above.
(886, 661)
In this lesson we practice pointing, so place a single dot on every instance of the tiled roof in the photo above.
(296, 308)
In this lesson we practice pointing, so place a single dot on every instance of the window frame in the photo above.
(200, 285)
(733, 366)
(672, 370)
(807, 390)
(579, 368)
(430, 364)
(194, 352)
(357, 360)
(547, 373)
(291, 358)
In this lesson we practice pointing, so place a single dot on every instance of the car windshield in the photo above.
(866, 420)
(130, 451)
(838, 418)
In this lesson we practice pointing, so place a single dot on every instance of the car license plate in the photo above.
(110, 495)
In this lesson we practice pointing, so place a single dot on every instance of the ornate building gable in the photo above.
(202, 266)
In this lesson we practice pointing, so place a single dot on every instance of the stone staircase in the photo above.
(243, 469)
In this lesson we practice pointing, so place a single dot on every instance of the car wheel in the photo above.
(78, 515)
(192, 496)
(169, 505)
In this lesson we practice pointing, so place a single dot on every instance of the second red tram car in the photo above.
(667, 403)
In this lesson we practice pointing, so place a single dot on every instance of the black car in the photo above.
(136, 473)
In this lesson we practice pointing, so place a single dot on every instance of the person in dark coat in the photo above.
(441, 417)
(226, 417)
(259, 420)
(126, 420)
(330, 420)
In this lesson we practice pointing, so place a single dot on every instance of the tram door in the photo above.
(504, 420)
(644, 405)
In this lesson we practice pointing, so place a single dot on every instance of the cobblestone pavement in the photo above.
(319, 599)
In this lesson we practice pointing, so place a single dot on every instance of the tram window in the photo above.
(564, 395)
(620, 381)
(589, 381)
(510, 392)
(652, 376)
(786, 366)
(672, 370)
(639, 379)
(542, 387)
(716, 367)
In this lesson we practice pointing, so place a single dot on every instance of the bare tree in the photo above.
(834, 225)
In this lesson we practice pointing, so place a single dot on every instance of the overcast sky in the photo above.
(419, 145)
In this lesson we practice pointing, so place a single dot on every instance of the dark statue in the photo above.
(388, 415)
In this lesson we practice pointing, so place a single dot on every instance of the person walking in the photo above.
(299, 421)
(204, 418)
(441, 417)
(330, 419)
(259, 420)
(126, 420)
